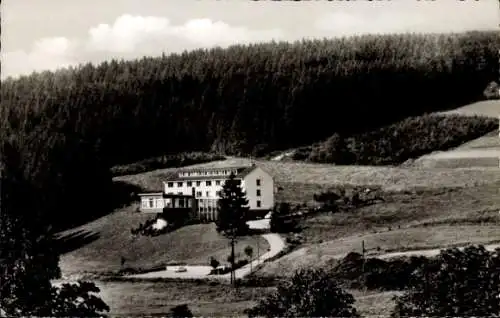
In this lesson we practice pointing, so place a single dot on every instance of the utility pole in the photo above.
(233, 276)
(363, 253)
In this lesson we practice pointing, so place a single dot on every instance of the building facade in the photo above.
(199, 189)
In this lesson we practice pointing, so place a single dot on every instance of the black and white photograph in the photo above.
(240, 158)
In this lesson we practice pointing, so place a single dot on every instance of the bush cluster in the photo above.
(398, 142)
(146, 229)
(373, 273)
(348, 198)
(226, 269)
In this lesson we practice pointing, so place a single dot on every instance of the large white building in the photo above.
(198, 189)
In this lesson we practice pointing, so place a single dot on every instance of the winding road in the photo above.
(275, 241)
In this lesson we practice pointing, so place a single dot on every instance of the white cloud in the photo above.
(46, 54)
(345, 24)
(130, 37)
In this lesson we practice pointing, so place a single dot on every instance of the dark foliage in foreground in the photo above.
(29, 257)
(454, 284)
(309, 293)
(398, 142)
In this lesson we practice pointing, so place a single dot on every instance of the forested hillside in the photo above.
(72, 125)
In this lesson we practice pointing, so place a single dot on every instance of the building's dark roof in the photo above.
(145, 194)
(167, 195)
(174, 176)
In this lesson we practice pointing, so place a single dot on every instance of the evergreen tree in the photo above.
(232, 208)
(232, 212)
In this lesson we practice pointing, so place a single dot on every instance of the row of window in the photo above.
(182, 205)
(208, 183)
(207, 193)
(207, 173)
(190, 183)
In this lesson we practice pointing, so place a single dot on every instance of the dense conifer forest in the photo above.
(72, 125)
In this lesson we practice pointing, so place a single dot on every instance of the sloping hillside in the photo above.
(102, 243)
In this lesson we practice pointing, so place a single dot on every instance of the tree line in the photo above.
(61, 132)
(72, 125)
(252, 98)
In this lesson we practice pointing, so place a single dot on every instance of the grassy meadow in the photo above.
(104, 241)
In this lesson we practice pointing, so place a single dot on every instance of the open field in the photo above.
(112, 240)
(325, 254)
(298, 179)
(405, 221)
(374, 304)
(489, 108)
(128, 299)
(491, 140)
(480, 152)
(134, 299)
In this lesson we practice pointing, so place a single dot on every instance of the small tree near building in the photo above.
(214, 263)
(309, 293)
(232, 213)
(249, 252)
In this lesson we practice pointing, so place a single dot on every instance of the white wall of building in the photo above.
(209, 188)
(202, 190)
(260, 194)
(153, 203)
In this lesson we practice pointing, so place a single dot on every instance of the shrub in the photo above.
(147, 229)
(180, 311)
(214, 263)
(375, 273)
(281, 219)
(492, 91)
(456, 283)
(309, 293)
(403, 140)
(348, 198)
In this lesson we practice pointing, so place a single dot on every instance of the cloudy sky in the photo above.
(49, 34)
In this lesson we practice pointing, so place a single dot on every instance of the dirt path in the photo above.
(276, 243)
(422, 252)
(427, 253)
(283, 155)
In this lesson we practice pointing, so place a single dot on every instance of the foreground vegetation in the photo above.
(475, 274)
(398, 142)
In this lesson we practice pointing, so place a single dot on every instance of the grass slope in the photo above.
(135, 299)
(193, 244)
(299, 181)
(405, 221)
